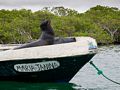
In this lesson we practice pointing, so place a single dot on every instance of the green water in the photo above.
(35, 86)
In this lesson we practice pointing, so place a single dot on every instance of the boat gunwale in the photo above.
(72, 56)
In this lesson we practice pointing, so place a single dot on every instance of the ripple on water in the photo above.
(108, 60)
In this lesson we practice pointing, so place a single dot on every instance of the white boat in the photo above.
(50, 63)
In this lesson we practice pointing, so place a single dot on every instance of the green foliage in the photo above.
(100, 22)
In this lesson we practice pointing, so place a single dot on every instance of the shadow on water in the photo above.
(7, 85)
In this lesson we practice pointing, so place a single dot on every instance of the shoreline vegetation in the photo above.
(100, 22)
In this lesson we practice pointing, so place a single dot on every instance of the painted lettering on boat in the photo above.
(36, 67)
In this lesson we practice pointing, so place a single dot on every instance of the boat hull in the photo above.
(60, 69)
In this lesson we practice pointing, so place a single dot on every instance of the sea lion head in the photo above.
(45, 25)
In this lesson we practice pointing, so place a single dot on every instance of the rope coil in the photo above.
(100, 72)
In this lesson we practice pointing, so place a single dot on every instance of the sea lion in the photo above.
(46, 38)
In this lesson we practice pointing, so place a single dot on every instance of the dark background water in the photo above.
(107, 59)
(36, 86)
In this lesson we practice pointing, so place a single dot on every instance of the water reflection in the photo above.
(37, 86)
